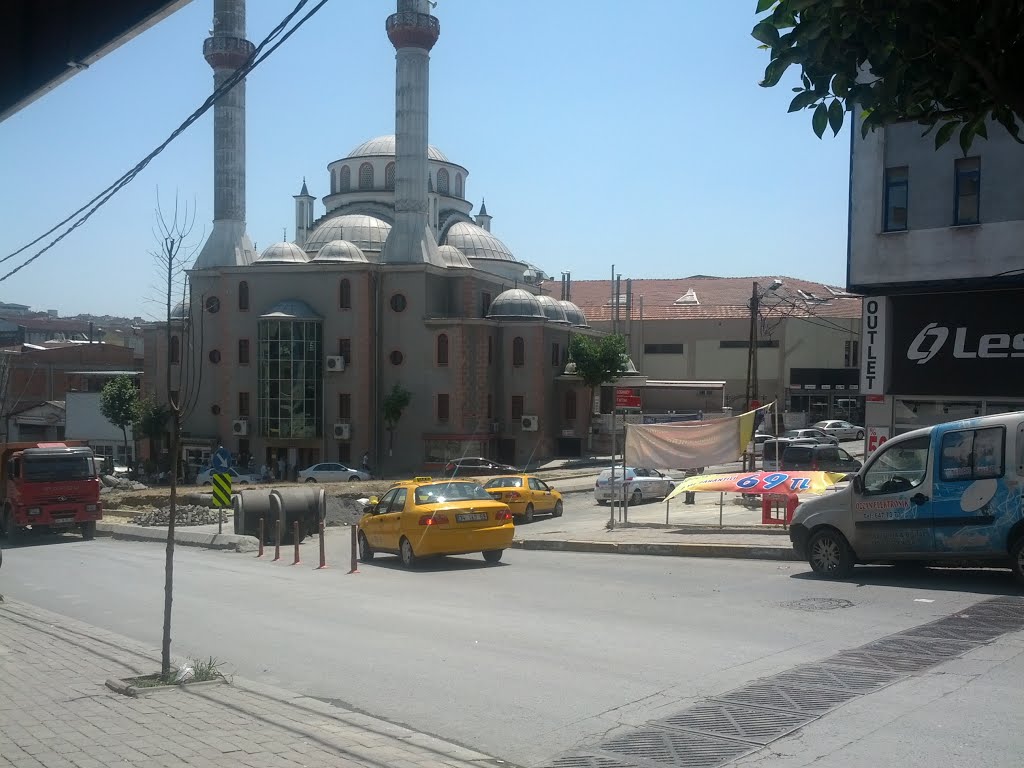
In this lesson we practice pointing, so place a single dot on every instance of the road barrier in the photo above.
(355, 550)
(323, 556)
(260, 553)
(295, 538)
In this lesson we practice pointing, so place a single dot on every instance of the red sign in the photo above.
(876, 436)
(626, 397)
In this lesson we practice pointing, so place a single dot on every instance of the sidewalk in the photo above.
(55, 712)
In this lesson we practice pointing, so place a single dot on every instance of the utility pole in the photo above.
(751, 393)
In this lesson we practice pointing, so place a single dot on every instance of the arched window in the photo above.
(459, 191)
(366, 176)
(175, 350)
(345, 179)
(518, 352)
(345, 295)
(243, 296)
(442, 350)
(389, 176)
(442, 182)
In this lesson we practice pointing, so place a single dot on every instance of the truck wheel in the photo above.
(89, 530)
(829, 554)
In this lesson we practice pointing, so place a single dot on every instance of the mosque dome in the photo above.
(384, 146)
(516, 303)
(574, 314)
(553, 309)
(180, 310)
(282, 253)
(477, 243)
(367, 233)
(453, 257)
(340, 250)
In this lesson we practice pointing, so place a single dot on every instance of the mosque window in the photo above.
(290, 359)
(366, 176)
(175, 351)
(214, 356)
(345, 295)
(243, 296)
(398, 302)
(345, 179)
(442, 182)
(459, 191)
(215, 409)
(389, 176)
(396, 357)
(213, 305)
(442, 350)
(518, 352)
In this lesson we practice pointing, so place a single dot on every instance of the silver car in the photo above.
(640, 484)
(843, 430)
(329, 472)
(812, 433)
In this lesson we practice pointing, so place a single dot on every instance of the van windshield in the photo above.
(49, 468)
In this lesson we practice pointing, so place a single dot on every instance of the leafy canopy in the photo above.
(119, 402)
(598, 360)
(151, 418)
(952, 63)
(394, 404)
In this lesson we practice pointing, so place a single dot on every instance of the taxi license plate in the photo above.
(470, 517)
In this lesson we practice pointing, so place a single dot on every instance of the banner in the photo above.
(690, 445)
(781, 483)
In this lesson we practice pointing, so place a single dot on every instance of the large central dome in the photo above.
(384, 146)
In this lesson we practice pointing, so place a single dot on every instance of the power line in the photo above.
(257, 57)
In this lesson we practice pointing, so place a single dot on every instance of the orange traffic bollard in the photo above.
(295, 538)
(355, 550)
(260, 553)
(323, 556)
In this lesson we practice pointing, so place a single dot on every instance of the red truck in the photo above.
(49, 486)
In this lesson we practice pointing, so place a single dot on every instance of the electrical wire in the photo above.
(257, 57)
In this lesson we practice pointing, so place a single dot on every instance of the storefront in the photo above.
(825, 393)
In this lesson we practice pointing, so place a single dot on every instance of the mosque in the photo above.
(296, 352)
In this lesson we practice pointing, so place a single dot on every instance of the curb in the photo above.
(125, 689)
(669, 549)
(760, 530)
(228, 541)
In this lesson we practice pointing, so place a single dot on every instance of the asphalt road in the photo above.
(524, 660)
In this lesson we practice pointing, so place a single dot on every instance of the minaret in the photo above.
(483, 219)
(413, 32)
(227, 50)
(303, 215)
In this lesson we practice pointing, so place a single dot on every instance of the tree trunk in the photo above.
(127, 461)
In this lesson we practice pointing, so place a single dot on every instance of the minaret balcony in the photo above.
(227, 52)
(408, 29)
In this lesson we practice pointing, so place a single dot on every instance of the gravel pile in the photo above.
(185, 514)
(343, 511)
(121, 483)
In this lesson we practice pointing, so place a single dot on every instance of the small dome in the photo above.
(384, 146)
(340, 250)
(282, 253)
(180, 310)
(367, 233)
(453, 257)
(553, 309)
(516, 303)
(574, 314)
(477, 243)
(294, 309)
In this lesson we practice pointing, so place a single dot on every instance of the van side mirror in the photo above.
(858, 484)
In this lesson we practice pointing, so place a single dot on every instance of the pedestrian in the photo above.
(366, 462)
(264, 473)
(280, 467)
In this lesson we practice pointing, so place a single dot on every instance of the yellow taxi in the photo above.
(426, 518)
(525, 495)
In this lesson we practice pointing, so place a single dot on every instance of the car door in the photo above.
(541, 496)
(391, 521)
(662, 483)
(372, 527)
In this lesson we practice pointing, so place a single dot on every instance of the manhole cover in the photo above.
(788, 698)
(734, 721)
(855, 679)
(818, 604)
(677, 748)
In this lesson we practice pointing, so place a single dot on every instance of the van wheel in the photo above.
(829, 554)
(1017, 561)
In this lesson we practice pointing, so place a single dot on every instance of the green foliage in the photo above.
(598, 360)
(119, 402)
(945, 63)
(395, 404)
(152, 419)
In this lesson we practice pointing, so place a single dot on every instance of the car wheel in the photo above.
(602, 502)
(310, 479)
(528, 515)
(493, 555)
(365, 550)
(88, 530)
(1017, 559)
(558, 509)
(829, 554)
(860, 434)
(207, 483)
(636, 498)
(354, 479)
(408, 556)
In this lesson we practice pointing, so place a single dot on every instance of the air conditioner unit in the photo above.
(530, 423)
(342, 431)
(335, 363)
(240, 427)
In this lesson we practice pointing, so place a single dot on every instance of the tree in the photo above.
(599, 360)
(944, 62)
(151, 421)
(119, 404)
(394, 405)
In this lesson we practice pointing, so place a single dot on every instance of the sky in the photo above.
(627, 134)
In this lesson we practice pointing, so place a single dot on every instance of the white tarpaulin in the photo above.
(689, 445)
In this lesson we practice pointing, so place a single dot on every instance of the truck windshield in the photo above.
(49, 468)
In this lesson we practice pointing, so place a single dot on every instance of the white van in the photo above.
(947, 492)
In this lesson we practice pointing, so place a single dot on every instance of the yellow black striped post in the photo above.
(221, 490)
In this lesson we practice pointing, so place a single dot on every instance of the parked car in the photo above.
(525, 495)
(477, 465)
(237, 478)
(760, 438)
(812, 433)
(439, 517)
(329, 472)
(844, 430)
(823, 458)
(771, 452)
(640, 484)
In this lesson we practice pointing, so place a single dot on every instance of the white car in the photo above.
(844, 430)
(330, 472)
(641, 484)
(206, 477)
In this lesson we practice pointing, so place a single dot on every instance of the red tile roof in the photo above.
(718, 297)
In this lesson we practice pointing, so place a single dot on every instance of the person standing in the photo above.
(280, 467)
(366, 463)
